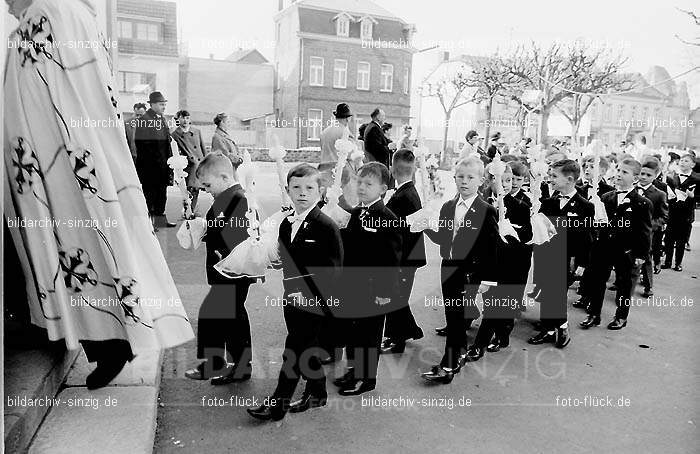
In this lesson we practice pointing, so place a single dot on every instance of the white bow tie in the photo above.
(295, 218)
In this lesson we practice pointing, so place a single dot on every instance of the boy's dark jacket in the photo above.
(405, 201)
(629, 224)
(312, 262)
(227, 227)
(474, 248)
(372, 256)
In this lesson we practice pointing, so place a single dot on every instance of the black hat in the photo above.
(156, 96)
(342, 111)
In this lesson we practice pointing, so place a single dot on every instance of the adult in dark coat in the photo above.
(376, 143)
(189, 142)
(152, 138)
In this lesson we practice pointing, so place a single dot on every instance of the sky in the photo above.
(643, 30)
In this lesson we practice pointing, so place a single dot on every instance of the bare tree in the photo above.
(696, 18)
(593, 72)
(452, 91)
(546, 70)
(491, 79)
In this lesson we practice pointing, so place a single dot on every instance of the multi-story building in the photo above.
(332, 51)
(148, 52)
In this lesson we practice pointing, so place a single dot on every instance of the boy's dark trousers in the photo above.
(499, 314)
(677, 235)
(626, 272)
(363, 346)
(553, 264)
(301, 354)
(224, 326)
(400, 324)
(459, 295)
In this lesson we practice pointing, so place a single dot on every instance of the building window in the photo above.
(313, 128)
(620, 113)
(607, 113)
(633, 113)
(134, 82)
(366, 30)
(340, 73)
(645, 114)
(387, 78)
(147, 31)
(125, 29)
(406, 76)
(363, 69)
(316, 72)
(342, 26)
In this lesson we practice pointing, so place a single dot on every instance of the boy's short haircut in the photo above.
(652, 163)
(632, 163)
(689, 156)
(518, 168)
(471, 161)
(377, 170)
(304, 170)
(182, 113)
(553, 152)
(603, 163)
(404, 162)
(568, 168)
(215, 163)
(673, 155)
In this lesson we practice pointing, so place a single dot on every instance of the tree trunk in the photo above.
(444, 137)
(544, 129)
(487, 131)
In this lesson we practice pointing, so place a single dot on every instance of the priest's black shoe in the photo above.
(581, 303)
(356, 387)
(590, 321)
(308, 401)
(267, 412)
(391, 346)
(542, 337)
(234, 376)
(617, 323)
(439, 374)
(562, 338)
(345, 378)
(474, 353)
(105, 372)
(441, 331)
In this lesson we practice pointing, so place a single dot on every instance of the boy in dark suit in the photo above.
(520, 172)
(585, 187)
(223, 320)
(311, 253)
(468, 237)
(400, 324)
(650, 170)
(372, 245)
(681, 211)
(624, 244)
(572, 215)
(502, 302)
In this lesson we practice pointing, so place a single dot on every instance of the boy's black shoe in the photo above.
(617, 324)
(562, 337)
(441, 331)
(391, 346)
(264, 412)
(474, 353)
(357, 387)
(677, 268)
(581, 303)
(542, 337)
(666, 266)
(590, 321)
(647, 293)
(346, 378)
(657, 269)
(235, 375)
(439, 374)
(308, 401)
(497, 345)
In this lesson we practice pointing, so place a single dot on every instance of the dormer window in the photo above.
(366, 29)
(342, 24)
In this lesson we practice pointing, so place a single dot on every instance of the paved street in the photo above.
(511, 401)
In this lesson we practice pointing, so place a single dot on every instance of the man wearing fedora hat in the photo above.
(152, 137)
(334, 132)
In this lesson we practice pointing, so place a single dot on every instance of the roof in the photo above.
(356, 7)
(247, 56)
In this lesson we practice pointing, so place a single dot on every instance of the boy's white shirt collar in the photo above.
(468, 201)
(304, 214)
(371, 203)
(401, 184)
